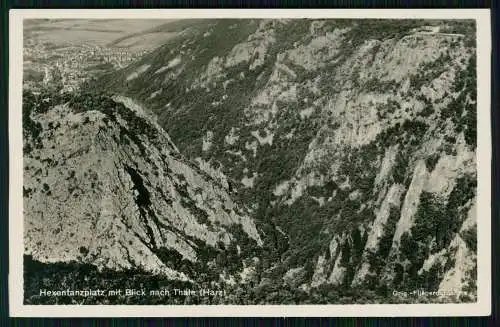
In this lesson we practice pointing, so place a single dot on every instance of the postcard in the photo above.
(249, 163)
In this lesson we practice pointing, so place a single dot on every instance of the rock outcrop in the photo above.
(105, 185)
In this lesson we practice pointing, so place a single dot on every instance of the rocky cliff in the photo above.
(104, 185)
(300, 161)
(352, 143)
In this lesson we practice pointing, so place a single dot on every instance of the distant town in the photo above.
(70, 65)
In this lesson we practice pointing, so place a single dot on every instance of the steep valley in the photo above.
(293, 161)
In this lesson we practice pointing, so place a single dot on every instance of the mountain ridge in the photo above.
(351, 144)
(315, 112)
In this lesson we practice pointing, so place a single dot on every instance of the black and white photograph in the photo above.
(262, 161)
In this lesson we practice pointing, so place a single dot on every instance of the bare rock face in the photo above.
(106, 186)
(351, 143)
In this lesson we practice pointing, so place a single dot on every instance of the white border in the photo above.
(481, 308)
